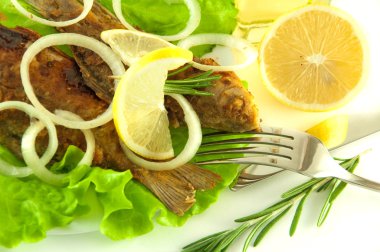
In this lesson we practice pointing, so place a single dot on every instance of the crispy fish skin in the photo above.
(94, 70)
(230, 109)
(58, 84)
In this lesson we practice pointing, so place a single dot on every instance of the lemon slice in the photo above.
(314, 58)
(138, 107)
(132, 45)
(332, 131)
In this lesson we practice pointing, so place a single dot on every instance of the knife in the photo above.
(363, 133)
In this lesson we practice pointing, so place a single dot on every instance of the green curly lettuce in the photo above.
(217, 16)
(156, 16)
(10, 17)
(129, 209)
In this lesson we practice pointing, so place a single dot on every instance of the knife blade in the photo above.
(361, 128)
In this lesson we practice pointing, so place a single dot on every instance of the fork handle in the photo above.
(350, 178)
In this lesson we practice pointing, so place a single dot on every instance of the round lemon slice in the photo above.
(132, 45)
(314, 58)
(138, 107)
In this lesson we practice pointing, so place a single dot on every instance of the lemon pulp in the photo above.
(313, 59)
(138, 107)
(132, 45)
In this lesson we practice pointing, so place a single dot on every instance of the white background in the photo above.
(353, 223)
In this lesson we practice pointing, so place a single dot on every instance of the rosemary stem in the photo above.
(261, 222)
(179, 70)
(204, 74)
(184, 81)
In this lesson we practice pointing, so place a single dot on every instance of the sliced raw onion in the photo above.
(88, 135)
(14, 171)
(44, 121)
(87, 5)
(220, 39)
(32, 160)
(191, 25)
(192, 145)
(98, 47)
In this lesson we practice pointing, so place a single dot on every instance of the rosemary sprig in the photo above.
(187, 86)
(257, 225)
(190, 85)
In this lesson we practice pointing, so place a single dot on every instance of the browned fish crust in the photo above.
(230, 109)
(58, 84)
(94, 71)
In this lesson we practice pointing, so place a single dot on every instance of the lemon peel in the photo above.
(314, 58)
(139, 114)
(332, 132)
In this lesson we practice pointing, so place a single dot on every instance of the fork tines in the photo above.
(264, 148)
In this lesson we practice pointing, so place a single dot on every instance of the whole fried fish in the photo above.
(58, 84)
(231, 108)
(87, 90)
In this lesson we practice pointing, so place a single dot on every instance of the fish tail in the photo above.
(176, 188)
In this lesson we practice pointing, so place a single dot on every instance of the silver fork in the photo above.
(276, 147)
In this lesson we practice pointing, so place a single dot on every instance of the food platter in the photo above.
(353, 223)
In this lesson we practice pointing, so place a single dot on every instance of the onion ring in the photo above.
(14, 171)
(220, 39)
(39, 168)
(88, 135)
(87, 5)
(53, 140)
(32, 160)
(98, 47)
(192, 145)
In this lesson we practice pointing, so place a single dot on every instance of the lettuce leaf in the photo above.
(30, 208)
(10, 17)
(170, 16)
(155, 16)
(129, 208)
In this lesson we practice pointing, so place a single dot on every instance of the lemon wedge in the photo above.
(314, 58)
(332, 131)
(132, 45)
(138, 107)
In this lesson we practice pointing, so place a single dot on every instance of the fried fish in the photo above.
(58, 84)
(231, 108)
(82, 85)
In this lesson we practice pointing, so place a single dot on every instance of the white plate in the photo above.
(352, 225)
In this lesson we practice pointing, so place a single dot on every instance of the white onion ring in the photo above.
(87, 5)
(44, 121)
(191, 25)
(14, 171)
(98, 47)
(220, 39)
(192, 145)
(88, 135)
(29, 153)
(39, 168)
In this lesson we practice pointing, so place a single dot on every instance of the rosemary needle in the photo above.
(258, 224)
(187, 86)
(190, 85)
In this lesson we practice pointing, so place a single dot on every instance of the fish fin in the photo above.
(176, 188)
(201, 179)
